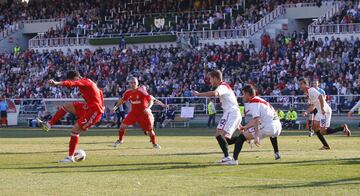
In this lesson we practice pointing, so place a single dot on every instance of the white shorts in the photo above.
(323, 119)
(268, 130)
(229, 122)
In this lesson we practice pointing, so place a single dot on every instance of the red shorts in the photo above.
(145, 120)
(86, 116)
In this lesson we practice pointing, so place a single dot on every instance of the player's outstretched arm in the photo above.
(255, 122)
(120, 102)
(54, 83)
(69, 83)
(158, 102)
(205, 94)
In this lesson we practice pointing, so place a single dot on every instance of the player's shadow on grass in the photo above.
(326, 183)
(118, 167)
(185, 154)
(52, 152)
(347, 161)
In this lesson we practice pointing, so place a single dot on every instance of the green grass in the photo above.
(183, 167)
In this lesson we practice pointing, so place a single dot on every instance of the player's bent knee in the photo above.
(219, 132)
(77, 129)
(123, 126)
(69, 107)
(248, 135)
(150, 133)
(323, 131)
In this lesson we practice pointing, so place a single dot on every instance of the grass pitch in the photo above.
(184, 165)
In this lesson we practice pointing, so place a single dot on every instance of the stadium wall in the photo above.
(306, 12)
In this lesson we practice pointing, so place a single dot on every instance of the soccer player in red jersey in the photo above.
(88, 112)
(141, 103)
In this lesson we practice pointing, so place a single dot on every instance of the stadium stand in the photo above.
(274, 69)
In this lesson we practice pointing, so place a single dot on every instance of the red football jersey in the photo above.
(92, 95)
(138, 98)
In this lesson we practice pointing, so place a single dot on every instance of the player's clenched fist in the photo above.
(53, 82)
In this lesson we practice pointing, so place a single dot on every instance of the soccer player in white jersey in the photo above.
(313, 113)
(231, 119)
(322, 119)
(264, 123)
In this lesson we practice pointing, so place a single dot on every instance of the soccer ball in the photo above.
(80, 155)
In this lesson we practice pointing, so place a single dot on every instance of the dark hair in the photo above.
(304, 80)
(249, 89)
(70, 75)
(216, 74)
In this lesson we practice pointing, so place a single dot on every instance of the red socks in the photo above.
(121, 134)
(74, 141)
(152, 137)
(58, 115)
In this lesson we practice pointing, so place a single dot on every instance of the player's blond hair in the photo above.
(216, 74)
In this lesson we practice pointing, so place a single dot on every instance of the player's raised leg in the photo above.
(46, 126)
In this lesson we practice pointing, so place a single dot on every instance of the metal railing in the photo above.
(132, 34)
(10, 30)
(313, 4)
(337, 6)
(216, 34)
(338, 103)
(44, 20)
(280, 10)
(38, 42)
(334, 29)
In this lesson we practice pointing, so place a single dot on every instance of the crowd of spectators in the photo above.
(98, 18)
(348, 14)
(175, 72)
(92, 17)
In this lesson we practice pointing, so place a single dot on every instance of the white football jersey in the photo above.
(258, 107)
(227, 98)
(314, 100)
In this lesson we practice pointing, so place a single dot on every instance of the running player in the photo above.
(264, 123)
(141, 102)
(88, 112)
(313, 113)
(322, 119)
(231, 119)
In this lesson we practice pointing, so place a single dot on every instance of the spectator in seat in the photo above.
(281, 115)
(291, 117)
(160, 116)
(170, 115)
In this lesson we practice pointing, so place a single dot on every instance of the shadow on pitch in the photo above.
(52, 152)
(119, 167)
(326, 183)
(347, 161)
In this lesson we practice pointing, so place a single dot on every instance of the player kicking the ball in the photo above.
(88, 112)
(264, 123)
(322, 119)
(231, 118)
(141, 102)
